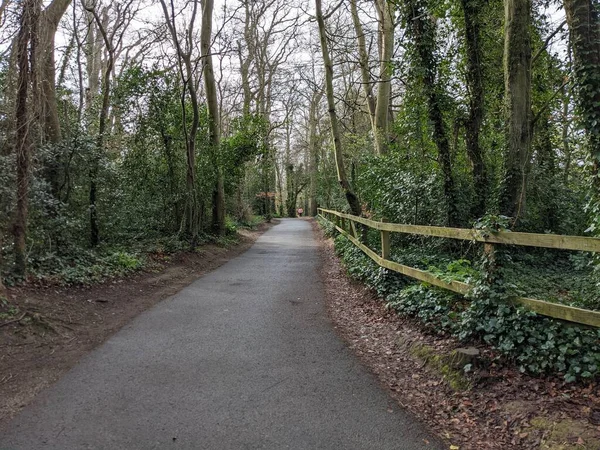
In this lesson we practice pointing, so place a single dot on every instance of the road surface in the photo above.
(243, 358)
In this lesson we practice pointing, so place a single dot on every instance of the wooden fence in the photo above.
(555, 310)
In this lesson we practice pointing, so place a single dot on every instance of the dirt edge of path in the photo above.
(494, 408)
(59, 325)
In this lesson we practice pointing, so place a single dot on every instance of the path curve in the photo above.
(243, 358)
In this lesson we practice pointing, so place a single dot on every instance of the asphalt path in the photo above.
(243, 358)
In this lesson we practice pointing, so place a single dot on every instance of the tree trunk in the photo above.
(192, 212)
(517, 79)
(26, 46)
(387, 16)
(547, 169)
(423, 33)
(313, 149)
(48, 104)
(102, 129)
(246, 62)
(192, 204)
(583, 18)
(169, 157)
(290, 198)
(363, 61)
(50, 19)
(566, 100)
(472, 15)
(93, 52)
(213, 115)
(337, 141)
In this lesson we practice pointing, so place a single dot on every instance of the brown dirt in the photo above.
(501, 409)
(56, 326)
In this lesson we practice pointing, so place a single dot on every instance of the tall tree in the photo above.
(48, 104)
(363, 60)
(472, 11)
(27, 40)
(378, 104)
(313, 149)
(213, 115)
(583, 18)
(49, 20)
(186, 72)
(335, 131)
(387, 23)
(111, 38)
(517, 98)
(102, 126)
(422, 29)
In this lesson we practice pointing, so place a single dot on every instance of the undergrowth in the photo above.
(85, 266)
(536, 344)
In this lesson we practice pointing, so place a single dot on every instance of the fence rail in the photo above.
(555, 310)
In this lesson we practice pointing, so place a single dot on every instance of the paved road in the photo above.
(244, 358)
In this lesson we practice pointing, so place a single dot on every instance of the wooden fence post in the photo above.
(385, 243)
(489, 253)
(353, 229)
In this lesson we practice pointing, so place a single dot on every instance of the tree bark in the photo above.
(50, 18)
(423, 32)
(213, 115)
(583, 19)
(566, 100)
(290, 198)
(102, 130)
(246, 62)
(337, 141)
(472, 10)
(517, 98)
(48, 103)
(26, 54)
(192, 207)
(363, 61)
(314, 150)
(387, 15)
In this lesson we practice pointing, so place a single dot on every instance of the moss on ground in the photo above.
(566, 434)
(441, 364)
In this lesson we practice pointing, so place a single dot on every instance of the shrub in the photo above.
(538, 345)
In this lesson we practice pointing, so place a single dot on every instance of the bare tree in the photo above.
(213, 115)
(378, 104)
(49, 20)
(335, 132)
(386, 11)
(46, 69)
(112, 38)
(363, 60)
(186, 72)
(313, 148)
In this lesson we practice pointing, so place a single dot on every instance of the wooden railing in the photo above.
(555, 310)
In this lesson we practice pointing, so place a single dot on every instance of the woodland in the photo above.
(140, 126)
